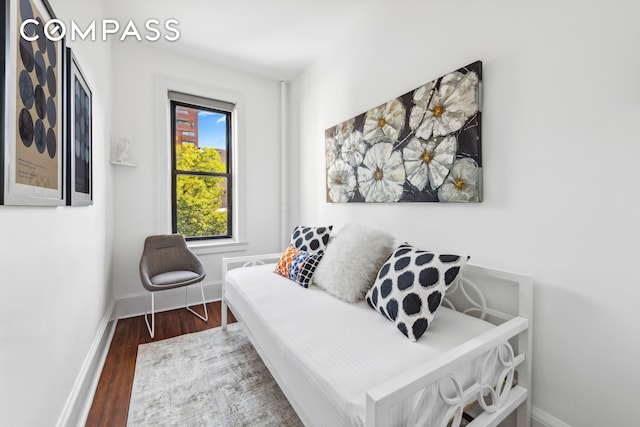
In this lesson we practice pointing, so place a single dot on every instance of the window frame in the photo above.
(177, 100)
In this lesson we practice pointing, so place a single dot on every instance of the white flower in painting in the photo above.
(421, 98)
(334, 137)
(331, 150)
(345, 127)
(462, 184)
(353, 148)
(429, 161)
(341, 181)
(381, 176)
(452, 104)
(385, 121)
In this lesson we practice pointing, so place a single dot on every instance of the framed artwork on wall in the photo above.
(32, 149)
(423, 146)
(79, 135)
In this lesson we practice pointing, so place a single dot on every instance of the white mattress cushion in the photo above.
(345, 348)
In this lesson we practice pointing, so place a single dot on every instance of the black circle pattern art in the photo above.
(37, 87)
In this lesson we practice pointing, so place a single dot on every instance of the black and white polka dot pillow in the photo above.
(410, 287)
(311, 239)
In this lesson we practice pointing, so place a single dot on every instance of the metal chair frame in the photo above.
(152, 328)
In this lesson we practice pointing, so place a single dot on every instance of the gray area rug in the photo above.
(208, 378)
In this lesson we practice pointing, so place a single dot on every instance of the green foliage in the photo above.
(199, 198)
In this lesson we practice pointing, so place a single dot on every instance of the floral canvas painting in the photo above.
(423, 146)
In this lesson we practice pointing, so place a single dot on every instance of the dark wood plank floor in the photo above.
(111, 401)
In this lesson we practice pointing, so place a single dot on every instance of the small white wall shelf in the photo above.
(117, 163)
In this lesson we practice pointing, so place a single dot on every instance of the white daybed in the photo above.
(343, 364)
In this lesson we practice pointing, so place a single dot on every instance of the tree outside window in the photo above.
(201, 178)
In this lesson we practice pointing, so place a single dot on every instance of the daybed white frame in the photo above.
(502, 298)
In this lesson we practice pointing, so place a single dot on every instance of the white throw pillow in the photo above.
(352, 260)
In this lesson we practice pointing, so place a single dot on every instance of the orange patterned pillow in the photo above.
(285, 260)
(298, 265)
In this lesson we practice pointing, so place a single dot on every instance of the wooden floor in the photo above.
(111, 401)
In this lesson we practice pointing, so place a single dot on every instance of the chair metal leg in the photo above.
(152, 328)
(204, 303)
(224, 314)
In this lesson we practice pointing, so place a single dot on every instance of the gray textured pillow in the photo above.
(352, 260)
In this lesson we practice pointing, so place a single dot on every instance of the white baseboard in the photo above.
(133, 304)
(540, 418)
(78, 404)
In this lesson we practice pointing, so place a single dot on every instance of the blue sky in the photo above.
(212, 130)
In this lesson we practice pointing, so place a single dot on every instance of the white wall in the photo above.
(142, 75)
(560, 113)
(55, 269)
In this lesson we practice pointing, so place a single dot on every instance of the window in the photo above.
(201, 179)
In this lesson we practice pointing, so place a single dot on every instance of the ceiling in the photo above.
(271, 38)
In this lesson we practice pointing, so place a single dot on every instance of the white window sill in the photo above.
(206, 247)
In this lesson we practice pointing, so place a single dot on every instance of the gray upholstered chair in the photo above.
(168, 263)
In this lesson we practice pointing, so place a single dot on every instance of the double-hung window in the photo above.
(201, 175)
